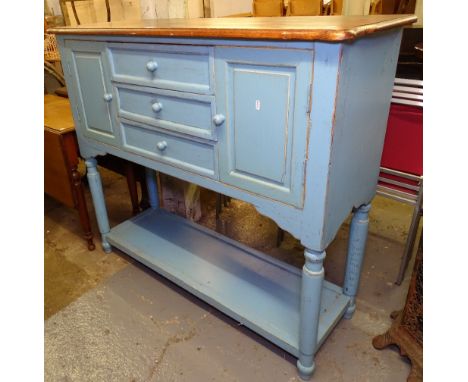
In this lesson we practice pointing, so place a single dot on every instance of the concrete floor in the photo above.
(108, 318)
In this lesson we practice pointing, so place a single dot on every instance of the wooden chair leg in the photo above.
(279, 236)
(219, 205)
(132, 187)
(144, 202)
(82, 208)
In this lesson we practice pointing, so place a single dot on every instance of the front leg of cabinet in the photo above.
(152, 186)
(95, 186)
(356, 248)
(311, 292)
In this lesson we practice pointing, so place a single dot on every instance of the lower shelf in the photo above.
(258, 291)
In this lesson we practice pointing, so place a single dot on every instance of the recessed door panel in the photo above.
(264, 95)
(93, 88)
(260, 123)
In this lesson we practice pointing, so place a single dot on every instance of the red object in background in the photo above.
(403, 147)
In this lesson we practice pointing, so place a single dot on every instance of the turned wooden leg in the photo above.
(219, 206)
(279, 236)
(82, 208)
(152, 186)
(311, 292)
(132, 187)
(356, 248)
(95, 186)
(144, 202)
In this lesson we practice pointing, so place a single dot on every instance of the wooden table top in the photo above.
(57, 114)
(303, 28)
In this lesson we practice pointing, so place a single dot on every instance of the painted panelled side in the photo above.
(324, 83)
(366, 77)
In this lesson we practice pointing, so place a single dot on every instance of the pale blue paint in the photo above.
(88, 63)
(356, 249)
(263, 94)
(312, 284)
(179, 152)
(255, 289)
(163, 66)
(295, 128)
(366, 77)
(180, 112)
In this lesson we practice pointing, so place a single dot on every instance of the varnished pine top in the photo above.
(57, 114)
(305, 28)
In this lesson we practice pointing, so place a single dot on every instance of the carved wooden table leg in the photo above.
(406, 330)
(95, 185)
(407, 345)
(62, 180)
(141, 176)
(132, 186)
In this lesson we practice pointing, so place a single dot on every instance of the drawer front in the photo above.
(179, 152)
(180, 112)
(182, 68)
(265, 96)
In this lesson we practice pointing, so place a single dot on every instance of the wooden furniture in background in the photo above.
(132, 172)
(64, 8)
(221, 103)
(304, 8)
(333, 8)
(267, 8)
(406, 331)
(376, 7)
(62, 180)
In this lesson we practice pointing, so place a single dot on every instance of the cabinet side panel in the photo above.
(366, 77)
(323, 97)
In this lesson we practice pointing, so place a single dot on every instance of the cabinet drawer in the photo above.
(182, 68)
(180, 112)
(179, 152)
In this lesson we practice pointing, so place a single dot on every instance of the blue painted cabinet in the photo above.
(88, 64)
(265, 96)
(293, 126)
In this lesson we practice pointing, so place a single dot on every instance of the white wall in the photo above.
(91, 12)
(221, 8)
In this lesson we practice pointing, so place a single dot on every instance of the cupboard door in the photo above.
(262, 98)
(96, 101)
